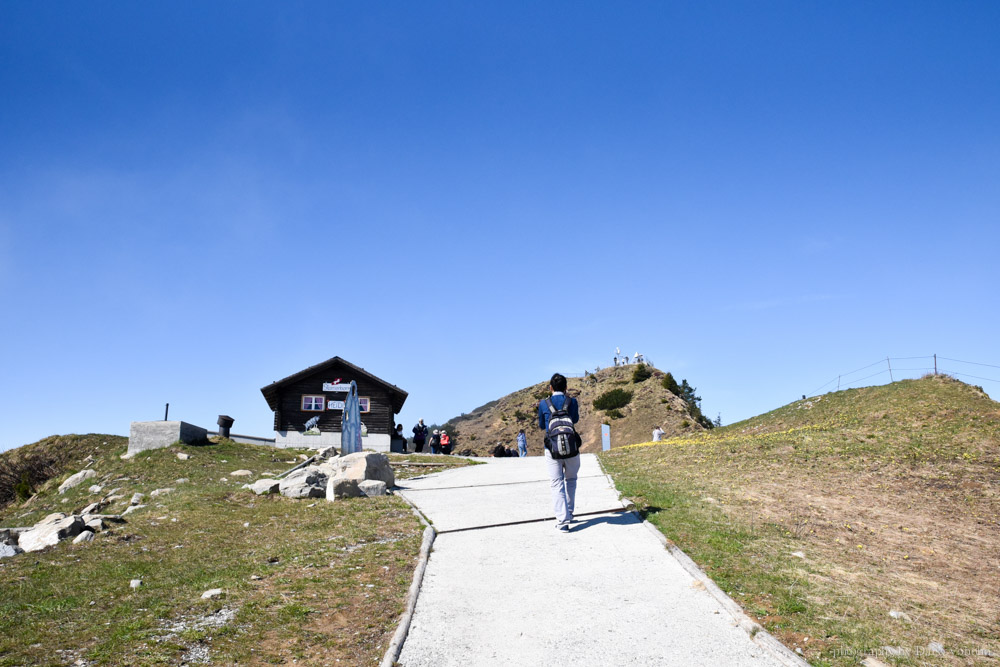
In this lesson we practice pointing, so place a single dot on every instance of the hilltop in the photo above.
(823, 516)
(651, 404)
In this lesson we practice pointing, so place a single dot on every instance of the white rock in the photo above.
(85, 536)
(798, 554)
(96, 488)
(264, 486)
(240, 473)
(136, 499)
(901, 616)
(361, 466)
(936, 647)
(342, 487)
(76, 479)
(182, 456)
(48, 532)
(8, 550)
(132, 508)
(96, 524)
(211, 594)
(135, 583)
(372, 487)
(182, 480)
(160, 492)
(113, 497)
(308, 482)
(92, 508)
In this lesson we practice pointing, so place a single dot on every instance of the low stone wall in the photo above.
(157, 435)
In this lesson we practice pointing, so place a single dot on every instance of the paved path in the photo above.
(607, 593)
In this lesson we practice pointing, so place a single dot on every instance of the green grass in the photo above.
(891, 494)
(315, 583)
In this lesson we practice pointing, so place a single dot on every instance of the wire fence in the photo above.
(907, 368)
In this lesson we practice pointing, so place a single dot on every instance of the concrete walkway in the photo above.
(607, 593)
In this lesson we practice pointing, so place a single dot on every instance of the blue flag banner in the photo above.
(605, 437)
(350, 430)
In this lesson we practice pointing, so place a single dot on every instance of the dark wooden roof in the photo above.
(271, 391)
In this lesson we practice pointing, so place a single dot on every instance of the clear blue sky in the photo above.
(199, 198)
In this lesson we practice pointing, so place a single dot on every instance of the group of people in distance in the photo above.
(440, 441)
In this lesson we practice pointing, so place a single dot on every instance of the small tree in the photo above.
(641, 373)
(613, 399)
(670, 384)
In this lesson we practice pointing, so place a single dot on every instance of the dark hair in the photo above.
(558, 382)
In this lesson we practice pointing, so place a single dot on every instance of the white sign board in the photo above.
(335, 405)
(329, 386)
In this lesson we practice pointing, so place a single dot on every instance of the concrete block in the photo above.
(144, 436)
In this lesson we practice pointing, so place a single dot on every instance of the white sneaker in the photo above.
(563, 527)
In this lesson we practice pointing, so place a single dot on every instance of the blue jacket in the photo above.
(558, 400)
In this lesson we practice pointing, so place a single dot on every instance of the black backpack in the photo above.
(561, 438)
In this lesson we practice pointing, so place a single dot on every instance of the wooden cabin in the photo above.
(320, 391)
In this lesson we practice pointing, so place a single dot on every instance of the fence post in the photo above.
(890, 369)
(838, 383)
(935, 363)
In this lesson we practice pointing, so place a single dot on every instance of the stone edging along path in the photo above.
(757, 634)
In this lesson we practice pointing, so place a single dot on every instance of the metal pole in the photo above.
(838, 383)
(890, 369)
(166, 412)
(935, 363)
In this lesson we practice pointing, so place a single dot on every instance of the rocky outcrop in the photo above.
(372, 487)
(76, 480)
(342, 487)
(265, 486)
(50, 530)
(361, 466)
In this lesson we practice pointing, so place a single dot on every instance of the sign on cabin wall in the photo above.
(335, 405)
(336, 386)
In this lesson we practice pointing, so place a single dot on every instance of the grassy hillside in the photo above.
(310, 581)
(825, 515)
(651, 404)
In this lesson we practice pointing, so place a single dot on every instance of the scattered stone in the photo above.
(85, 536)
(135, 583)
(901, 616)
(798, 554)
(8, 550)
(75, 480)
(264, 486)
(95, 524)
(936, 647)
(50, 531)
(93, 508)
(303, 457)
(136, 499)
(372, 487)
(132, 508)
(255, 577)
(160, 492)
(327, 453)
(182, 480)
(182, 456)
(343, 487)
(308, 482)
(211, 594)
(96, 488)
(113, 497)
(241, 473)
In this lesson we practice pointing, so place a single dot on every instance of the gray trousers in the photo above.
(562, 477)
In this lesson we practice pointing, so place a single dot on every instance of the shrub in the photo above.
(641, 373)
(685, 424)
(614, 413)
(613, 399)
(521, 416)
(670, 384)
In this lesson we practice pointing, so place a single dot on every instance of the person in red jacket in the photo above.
(445, 442)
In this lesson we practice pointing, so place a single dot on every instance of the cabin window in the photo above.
(364, 403)
(313, 403)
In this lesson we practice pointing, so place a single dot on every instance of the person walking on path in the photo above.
(419, 436)
(658, 434)
(522, 443)
(562, 472)
(435, 442)
(445, 442)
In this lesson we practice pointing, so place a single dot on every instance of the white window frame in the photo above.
(314, 398)
(363, 401)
